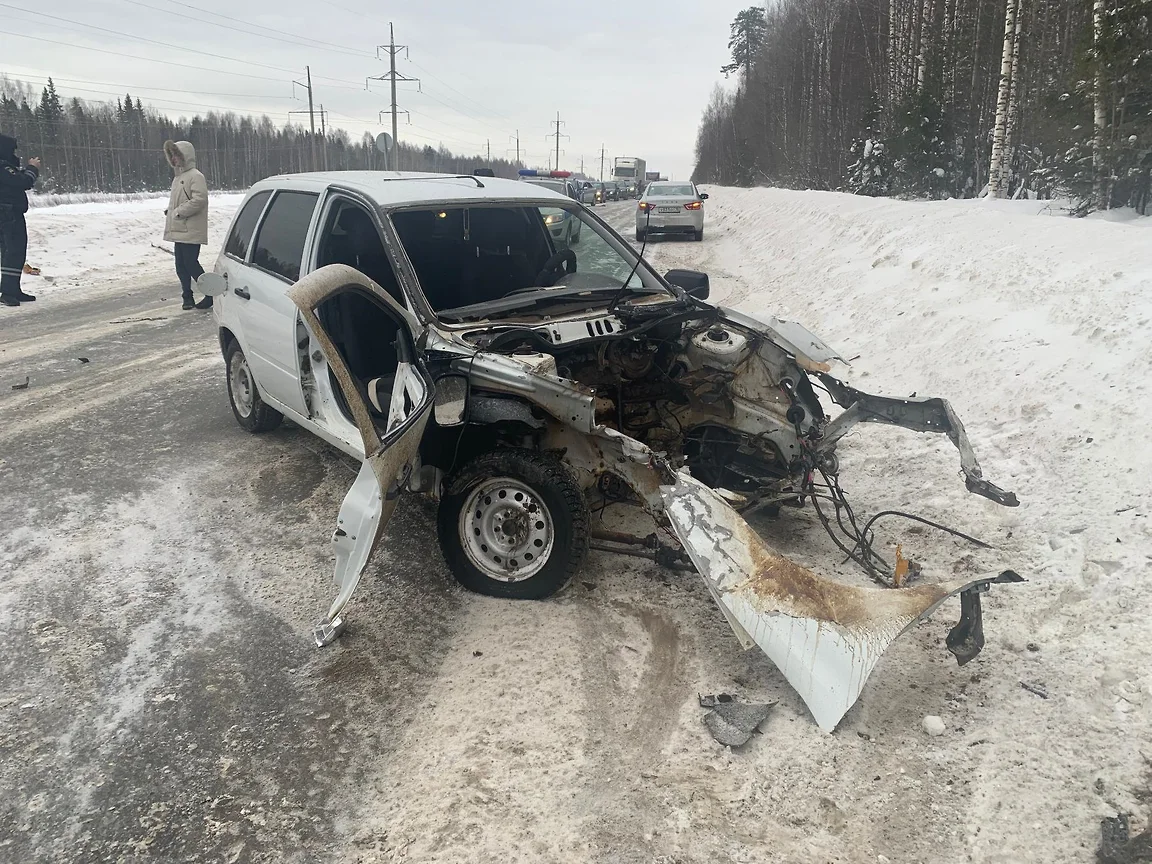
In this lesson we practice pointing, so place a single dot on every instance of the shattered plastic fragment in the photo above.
(730, 722)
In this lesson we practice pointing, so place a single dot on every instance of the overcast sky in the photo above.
(632, 77)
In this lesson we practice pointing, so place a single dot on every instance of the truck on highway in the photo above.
(629, 171)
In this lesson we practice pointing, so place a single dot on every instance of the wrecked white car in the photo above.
(440, 330)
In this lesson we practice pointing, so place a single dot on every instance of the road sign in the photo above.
(384, 143)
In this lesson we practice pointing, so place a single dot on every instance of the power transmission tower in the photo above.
(307, 85)
(488, 145)
(517, 140)
(392, 77)
(557, 135)
(602, 152)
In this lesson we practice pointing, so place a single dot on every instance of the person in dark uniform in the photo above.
(14, 185)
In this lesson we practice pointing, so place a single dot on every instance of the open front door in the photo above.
(388, 395)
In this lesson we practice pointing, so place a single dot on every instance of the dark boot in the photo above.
(26, 298)
(10, 300)
(206, 303)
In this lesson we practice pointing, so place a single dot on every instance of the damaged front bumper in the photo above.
(824, 636)
(919, 415)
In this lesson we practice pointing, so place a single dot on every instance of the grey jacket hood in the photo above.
(181, 155)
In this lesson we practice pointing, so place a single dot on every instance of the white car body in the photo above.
(671, 207)
(292, 353)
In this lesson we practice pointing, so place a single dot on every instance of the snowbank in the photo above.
(1038, 330)
(97, 244)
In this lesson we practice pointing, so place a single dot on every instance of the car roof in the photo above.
(401, 188)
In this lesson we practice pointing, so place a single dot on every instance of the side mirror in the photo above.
(692, 281)
(703, 196)
(212, 284)
(451, 400)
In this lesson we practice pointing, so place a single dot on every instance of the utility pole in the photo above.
(488, 145)
(324, 135)
(311, 117)
(307, 85)
(517, 139)
(581, 166)
(602, 152)
(392, 77)
(557, 135)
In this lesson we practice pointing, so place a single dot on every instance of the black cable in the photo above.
(929, 523)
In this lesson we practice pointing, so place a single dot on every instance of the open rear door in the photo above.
(391, 437)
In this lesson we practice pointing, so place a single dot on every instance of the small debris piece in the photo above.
(589, 585)
(934, 725)
(23, 386)
(82, 359)
(1099, 785)
(1039, 689)
(477, 653)
(730, 722)
(1117, 847)
(1032, 646)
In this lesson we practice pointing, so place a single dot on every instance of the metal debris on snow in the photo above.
(730, 722)
(1039, 689)
(23, 386)
(1118, 847)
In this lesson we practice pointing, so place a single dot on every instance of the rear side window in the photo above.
(245, 224)
(280, 240)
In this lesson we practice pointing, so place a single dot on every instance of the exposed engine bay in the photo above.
(733, 400)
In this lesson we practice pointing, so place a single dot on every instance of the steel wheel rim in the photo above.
(240, 382)
(506, 530)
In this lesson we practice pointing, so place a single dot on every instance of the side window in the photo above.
(349, 236)
(279, 245)
(245, 224)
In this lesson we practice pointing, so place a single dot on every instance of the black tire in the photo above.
(557, 489)
(574, 238)
(698, 235)
(247, 407)
(639, 236)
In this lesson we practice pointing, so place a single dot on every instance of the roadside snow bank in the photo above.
(1037, 329)
(93, 244)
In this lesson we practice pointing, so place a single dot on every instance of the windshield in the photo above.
(510, 259)
(671, 189)
(625, 172)
(554, 185)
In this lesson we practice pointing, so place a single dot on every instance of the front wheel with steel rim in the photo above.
(249, 409)
(513, 523)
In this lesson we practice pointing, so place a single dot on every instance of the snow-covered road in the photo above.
(155, 639)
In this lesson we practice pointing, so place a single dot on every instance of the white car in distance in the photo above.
(670, 207)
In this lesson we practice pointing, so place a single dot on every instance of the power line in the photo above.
(303, 41)
(197, 51)
(139, 90)
(137, 57)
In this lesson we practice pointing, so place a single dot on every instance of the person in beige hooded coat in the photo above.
(186, 219)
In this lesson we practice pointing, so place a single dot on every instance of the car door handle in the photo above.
(242, 293)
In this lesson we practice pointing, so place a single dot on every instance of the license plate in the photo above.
(667, 209)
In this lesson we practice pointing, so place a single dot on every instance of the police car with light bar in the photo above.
(564, 228)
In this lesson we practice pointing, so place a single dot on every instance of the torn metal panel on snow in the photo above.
(824, 636)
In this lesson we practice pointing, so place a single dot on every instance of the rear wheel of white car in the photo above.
(513, 523)
(639, 236)
(698, 235)
(247, 406)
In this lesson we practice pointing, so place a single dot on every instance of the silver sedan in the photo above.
(669, 207)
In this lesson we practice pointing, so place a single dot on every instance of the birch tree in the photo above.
(1002, 100)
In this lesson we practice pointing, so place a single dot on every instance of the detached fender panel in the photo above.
(824, 636)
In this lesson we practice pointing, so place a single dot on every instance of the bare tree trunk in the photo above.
(1101, 110)
(994, 170)
(1014, 90)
